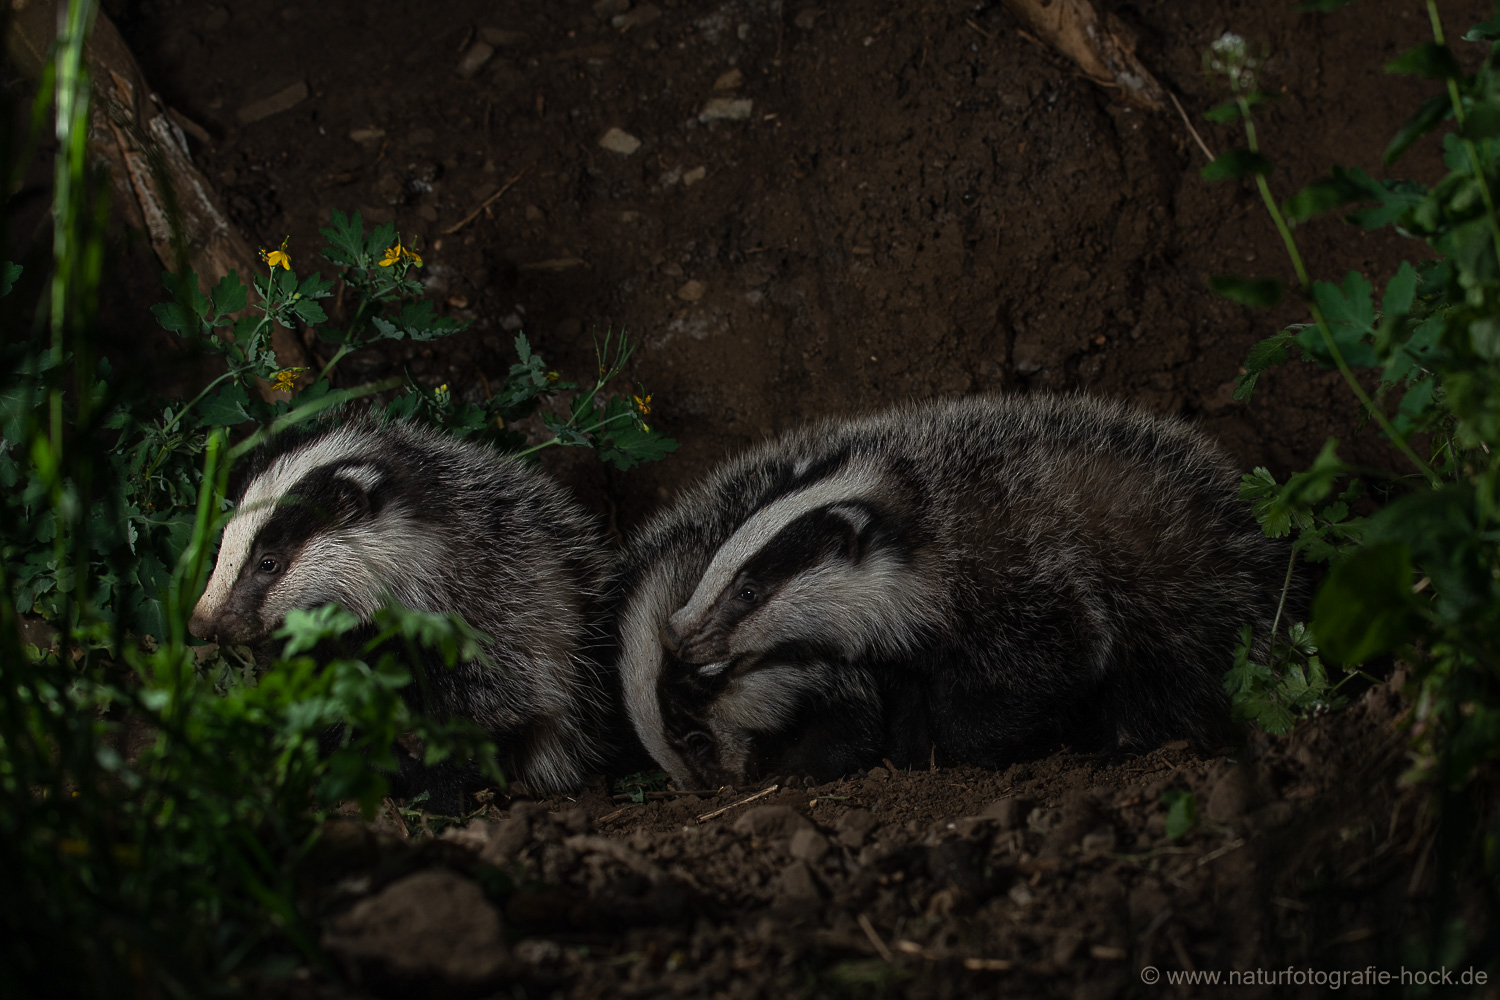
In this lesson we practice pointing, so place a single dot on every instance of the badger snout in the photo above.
(223, 626)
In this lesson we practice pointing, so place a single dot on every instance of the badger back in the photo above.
(1044, 551)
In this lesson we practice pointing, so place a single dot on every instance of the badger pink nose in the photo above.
(201, 626)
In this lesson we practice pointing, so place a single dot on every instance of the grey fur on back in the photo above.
(1050, 564)
(361, 511)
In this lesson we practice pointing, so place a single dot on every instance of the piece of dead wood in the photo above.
(156, 184)
(719, 812)
(1103, 48)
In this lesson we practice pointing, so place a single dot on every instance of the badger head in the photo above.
(315, 526)
(741, 726)
(832, 572)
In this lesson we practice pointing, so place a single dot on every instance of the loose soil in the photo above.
(916, 200)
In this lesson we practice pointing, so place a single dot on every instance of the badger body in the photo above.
(363, 514)
(979, 580)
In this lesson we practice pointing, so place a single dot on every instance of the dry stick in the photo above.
(1194, 132)
(719, 812)
(864, 925)
(487, 202)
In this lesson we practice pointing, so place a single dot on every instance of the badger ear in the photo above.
(847, 529)
(347, 502)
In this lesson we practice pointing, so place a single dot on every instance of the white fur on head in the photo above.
(851, 483)
(259, 503)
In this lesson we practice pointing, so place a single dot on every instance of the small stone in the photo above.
(730, 80)
(617, 140)
(771, 822)
(809, 845)
(283, 100)
(502, 38)
(532, 213)
(693, 176)
(729, 109)
(1021, 894)
(367, 136)
(638, 18)
(692, 291)
(609, 8)
(807, 18)
(796, 884)
(854, 826)
(474, 59)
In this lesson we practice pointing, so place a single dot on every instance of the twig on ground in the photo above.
(487, 202)
(719, 812)
(1191, 131)
(869, 929)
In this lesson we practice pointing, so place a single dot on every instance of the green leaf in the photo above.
(1482, 121)
(309, 312)
(1433, 110)
(1236, 163)
(346, 239)
(229, 296)
(1350, 313)
(1400, 291)
(1428, 59)
(1485, 31)
(225, 408)
(1247, 291)
(9, 272)
(1365, 606)
(1182, 811)
(1230, 111)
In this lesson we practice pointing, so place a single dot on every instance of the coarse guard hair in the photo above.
(363, 513)
(978, 580)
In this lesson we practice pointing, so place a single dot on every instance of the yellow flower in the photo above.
(398, 253)
(552, 376)
(286, 377)
(277, 258)
(644, 405)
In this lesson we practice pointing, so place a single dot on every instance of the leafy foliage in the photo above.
(1420, 575)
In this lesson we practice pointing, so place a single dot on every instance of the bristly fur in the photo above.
(361, 513)
(984, 579)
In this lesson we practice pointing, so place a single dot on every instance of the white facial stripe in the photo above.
(765, 524)
(259, 503)
(641, 662)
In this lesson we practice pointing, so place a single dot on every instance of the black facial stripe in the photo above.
(810, 539)
(324, 498)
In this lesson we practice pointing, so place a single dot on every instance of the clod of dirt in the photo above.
(796, 884)
(772, 823)
(854, 826)
(809, 845)
(429, 929)
(1008, 813)
(1232, 795)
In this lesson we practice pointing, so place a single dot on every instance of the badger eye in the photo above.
(697, 741)
(748, 595)
(268, 565)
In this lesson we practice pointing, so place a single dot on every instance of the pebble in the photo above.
(1231, 796)
(638, 18)
(693, 176)
(365, 136)
(729, 109)
(692, 291)
(730, 80)
(474, 58)
(283, 100)
(617, 140)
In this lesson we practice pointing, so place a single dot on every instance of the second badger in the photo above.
(362, 513)
(982, 580)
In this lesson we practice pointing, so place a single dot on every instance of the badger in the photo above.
(363, 513)
(968, 581)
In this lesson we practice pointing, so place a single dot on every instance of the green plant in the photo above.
(1420, 574)
(158, 807)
